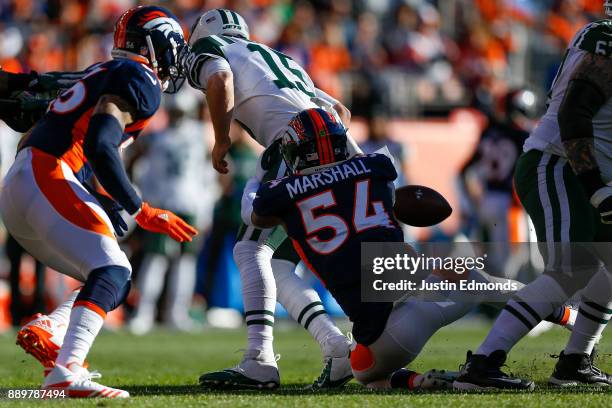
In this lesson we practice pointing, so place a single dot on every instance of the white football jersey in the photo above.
(269, 87)
(594, 38)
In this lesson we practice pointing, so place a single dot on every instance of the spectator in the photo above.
(175, 173)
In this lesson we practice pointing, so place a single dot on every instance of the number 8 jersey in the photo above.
(269, 87)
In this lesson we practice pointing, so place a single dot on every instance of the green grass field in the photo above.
(161, 370)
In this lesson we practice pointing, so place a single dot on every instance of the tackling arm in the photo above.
(101, 148)
(589, 89)
(265, 221)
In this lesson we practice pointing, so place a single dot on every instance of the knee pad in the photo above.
(106, 287)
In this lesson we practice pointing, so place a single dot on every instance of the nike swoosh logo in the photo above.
(153, 80)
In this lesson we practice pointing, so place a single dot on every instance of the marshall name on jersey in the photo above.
(328, 214)
(269, 87)
(594, 38)
(62, 130)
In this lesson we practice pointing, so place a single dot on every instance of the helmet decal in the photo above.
(314, 138)
(164, 24)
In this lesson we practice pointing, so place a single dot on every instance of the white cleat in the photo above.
(42, 337)
(336, 364)
(79, 384)
(253, 372)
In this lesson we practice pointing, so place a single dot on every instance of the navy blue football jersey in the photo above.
(62, 129)
(327, 215)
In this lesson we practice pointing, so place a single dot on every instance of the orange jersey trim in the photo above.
(74, 157)
(56, 189)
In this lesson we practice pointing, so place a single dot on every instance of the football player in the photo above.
(332, 203)
(563, 181)
(47, 205)
(261, 89)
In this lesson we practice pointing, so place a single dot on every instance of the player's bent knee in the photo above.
(107, 287)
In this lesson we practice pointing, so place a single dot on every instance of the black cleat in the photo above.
(482, 372)
(578, 369)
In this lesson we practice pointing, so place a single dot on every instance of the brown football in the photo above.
(420, 206)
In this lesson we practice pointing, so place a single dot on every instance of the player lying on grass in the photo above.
(563, 180)
(345, 201)
(261, 89)
(47, 205)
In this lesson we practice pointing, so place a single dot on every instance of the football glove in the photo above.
(602, 201)
(112, 209)
(164, 222)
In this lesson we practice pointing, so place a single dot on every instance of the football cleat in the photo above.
(431, 380)
(577, 369)
(482, 372)
(250, 374)
(79, 384)
(336, 364)
(438, 380)
(42, 337)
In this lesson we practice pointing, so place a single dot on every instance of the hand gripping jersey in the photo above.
(594, 38)
(62, 129)
(327, 215)
(269, 87)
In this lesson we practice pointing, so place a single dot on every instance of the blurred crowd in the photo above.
(433, 54)
(383, 58)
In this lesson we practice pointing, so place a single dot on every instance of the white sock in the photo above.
(150, 283)
(302, 302)
(85, 324)
(181, 286)
(593, 315)
(522, 313)
(61, 314)
(258, 296)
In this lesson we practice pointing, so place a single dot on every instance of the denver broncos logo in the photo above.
(164, 24)
(150, 16)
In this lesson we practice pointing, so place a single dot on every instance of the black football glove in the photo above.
(602, 201)
(112, 209)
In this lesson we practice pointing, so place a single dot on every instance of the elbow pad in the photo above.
(248, 196)
(580, 104)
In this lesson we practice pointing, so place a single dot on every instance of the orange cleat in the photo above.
(42, 337)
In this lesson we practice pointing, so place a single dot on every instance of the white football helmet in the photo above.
(608, 7)
(219, 21)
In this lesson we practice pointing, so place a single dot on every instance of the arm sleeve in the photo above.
(580, 104)
(101, 148)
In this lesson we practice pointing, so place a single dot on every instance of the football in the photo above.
(420, 206)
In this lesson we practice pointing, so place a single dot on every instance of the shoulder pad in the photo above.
(595, 38)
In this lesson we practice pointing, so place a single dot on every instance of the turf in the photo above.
(161, 370)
